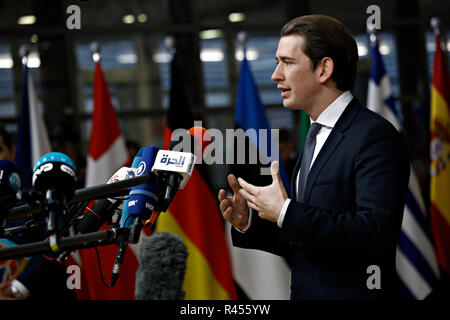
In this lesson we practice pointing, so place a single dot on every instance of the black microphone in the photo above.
(174, 168)
(10, 183)
(54, 178)
(102, 209)
(10, 178)
(162, 268)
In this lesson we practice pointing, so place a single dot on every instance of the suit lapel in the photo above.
(327, 150)
(333, 140)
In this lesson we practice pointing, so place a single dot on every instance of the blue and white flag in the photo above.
(416, 263)
(33, 141)
(250, 115)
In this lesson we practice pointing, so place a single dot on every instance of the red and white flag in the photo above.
(107, 153)
(107, 149)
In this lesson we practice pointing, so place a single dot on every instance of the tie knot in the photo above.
(314, 129)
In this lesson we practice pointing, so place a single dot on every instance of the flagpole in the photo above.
(373, 37)
(242, 38)
(24, 51)
(169, 42)
(95, 49)
(435, 23)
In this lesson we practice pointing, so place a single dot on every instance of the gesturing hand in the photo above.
(235, 209)
(268, 200)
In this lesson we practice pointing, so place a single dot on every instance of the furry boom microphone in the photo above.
(162, 268)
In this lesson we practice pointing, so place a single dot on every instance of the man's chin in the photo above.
(290, 106)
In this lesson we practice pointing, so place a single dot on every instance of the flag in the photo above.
(440, 154)
(33, 141)
(261, 275)
(107, 153)
(416, 263)
(107, 149)
(194, 214)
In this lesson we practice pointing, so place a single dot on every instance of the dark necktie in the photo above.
(308, 152)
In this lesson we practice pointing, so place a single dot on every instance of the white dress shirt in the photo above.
(327, 119)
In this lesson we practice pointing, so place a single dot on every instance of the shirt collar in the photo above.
(331, 114)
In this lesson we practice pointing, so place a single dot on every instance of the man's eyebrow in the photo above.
(283, 58)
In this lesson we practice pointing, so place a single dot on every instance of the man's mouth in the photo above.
(284, 92)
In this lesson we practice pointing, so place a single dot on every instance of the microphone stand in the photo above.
(80, 241)
(118, 188)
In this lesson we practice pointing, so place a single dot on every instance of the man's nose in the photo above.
(277, 74)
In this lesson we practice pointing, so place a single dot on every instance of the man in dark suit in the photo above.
(339, 227)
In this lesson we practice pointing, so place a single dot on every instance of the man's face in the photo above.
(294, 75)
(5, 153)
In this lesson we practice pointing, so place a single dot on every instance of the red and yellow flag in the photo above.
(440, 154)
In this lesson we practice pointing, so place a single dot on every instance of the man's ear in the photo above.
(326, 67)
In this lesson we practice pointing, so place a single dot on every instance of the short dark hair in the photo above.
(327, 37)
(6, 136)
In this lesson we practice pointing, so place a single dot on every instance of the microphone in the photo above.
(125, 217)
(162, 268)
(174, 167)
(143, 198)
(10, 180)
(10, 177)
(10, 184)
(141, 203)
(102, 209)
(96, 216)
(54, 177)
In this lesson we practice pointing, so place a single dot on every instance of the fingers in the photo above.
(275, 171)
(251, 189)
(239, 221)
(250, 193)
(253, 206)
(228, 214)
(221, 195)
(233, 183)
(247, 196)
(224, 204)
